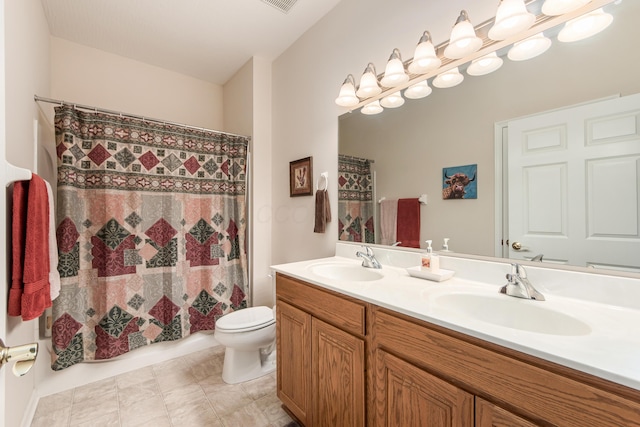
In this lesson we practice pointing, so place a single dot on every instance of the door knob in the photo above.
(24, 357)
(516, 246)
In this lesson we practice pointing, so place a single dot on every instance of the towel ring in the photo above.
(324, 178)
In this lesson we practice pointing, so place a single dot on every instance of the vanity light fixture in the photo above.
(347, 96)
(463, 39)
(529, 48)
(418, 90)
(372, 108)
(560, 7)
(485, 65)
(424, 57)
(448, 79)
(477, 48)
(392, 101)
(585, 26)
(369, 83)
(512, 17)
(394, 73)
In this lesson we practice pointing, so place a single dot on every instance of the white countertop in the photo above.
(611, 350)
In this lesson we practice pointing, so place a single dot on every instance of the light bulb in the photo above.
(347, 96)
(485, 65)
(368, 83)
(418, 90)
(394, 73)
(585, 26)
(392, 101)
(463, 39)
(372, 108)
(512, 17)
(529, 48)
(424, 57)
(448, 79)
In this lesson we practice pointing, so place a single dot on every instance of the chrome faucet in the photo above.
(537, 258)
(368, 259)
(519, 286)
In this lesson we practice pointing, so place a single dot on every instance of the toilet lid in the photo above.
(247, 318)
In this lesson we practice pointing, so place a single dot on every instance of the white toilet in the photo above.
(249, 337)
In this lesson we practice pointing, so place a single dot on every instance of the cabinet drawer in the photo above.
(338, 310)
(537, 389)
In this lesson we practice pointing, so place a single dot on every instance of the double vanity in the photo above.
(364, 346)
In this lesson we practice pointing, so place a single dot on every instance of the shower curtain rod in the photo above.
(132, 116)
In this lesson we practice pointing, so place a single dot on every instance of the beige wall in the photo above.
(411, 144)
(96, 78)
(247, 111)
(26, 73)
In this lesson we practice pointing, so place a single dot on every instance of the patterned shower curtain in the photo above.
(151, 227)
(355, 200)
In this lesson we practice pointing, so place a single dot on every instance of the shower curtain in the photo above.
(355, 200)
(151, 227)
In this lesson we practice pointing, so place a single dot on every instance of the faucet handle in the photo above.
(518, 270)
(368, 250)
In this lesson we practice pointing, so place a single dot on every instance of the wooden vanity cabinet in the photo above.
(509, 388)
(343, 362)
(320, 354)
(490, 415)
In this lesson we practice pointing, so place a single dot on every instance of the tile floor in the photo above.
(186, 391)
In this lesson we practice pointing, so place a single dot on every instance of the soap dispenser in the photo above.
(430, 261)
(445, 245)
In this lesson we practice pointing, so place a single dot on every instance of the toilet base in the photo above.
(240, 365)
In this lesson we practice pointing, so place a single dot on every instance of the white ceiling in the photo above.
(206, 39)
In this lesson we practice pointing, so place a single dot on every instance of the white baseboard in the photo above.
(30, 410)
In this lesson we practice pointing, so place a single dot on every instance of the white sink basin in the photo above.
(346, 272)
(514, 313)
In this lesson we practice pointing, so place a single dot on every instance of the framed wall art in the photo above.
(300, 177)
(460, 182)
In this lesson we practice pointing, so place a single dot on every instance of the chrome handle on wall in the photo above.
(24, 357)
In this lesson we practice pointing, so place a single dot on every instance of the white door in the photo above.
(3, 260)
(574, 185)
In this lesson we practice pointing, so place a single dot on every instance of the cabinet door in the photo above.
(338, 377)
(293, 334)
(490, 415)
(408, 396)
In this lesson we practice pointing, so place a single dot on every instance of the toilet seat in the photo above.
(248, 319)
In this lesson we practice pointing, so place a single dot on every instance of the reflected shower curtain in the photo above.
(355, 200)
(151, 228)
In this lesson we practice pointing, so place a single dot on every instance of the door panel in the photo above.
(293, 330)
(338, 376)
(574, 185)
(415, 398)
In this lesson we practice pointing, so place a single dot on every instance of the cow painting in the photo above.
(459, 182)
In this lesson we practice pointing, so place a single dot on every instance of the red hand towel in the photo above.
(36, 296)
(18, 229)
(408, 228)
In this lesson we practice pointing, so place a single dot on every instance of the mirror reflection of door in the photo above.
(574, 185)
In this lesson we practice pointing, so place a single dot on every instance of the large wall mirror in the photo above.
(411, 145)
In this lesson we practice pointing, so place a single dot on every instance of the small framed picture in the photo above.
(460, 182)
(300, 176)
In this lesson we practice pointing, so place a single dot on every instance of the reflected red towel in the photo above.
(35, 294)
(408, 228)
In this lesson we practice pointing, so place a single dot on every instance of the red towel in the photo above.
(408, 228)
(18, 230)
(30, 284)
